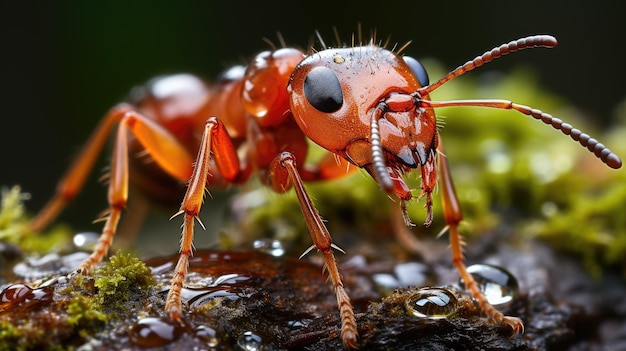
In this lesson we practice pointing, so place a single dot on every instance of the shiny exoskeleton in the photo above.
(368, 106)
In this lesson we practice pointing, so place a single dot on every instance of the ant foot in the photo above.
(349, 339)
(514, 323)
(78, 271)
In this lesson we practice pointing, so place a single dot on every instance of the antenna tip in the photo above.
(547, 41)
(613, 161)
(551, 40)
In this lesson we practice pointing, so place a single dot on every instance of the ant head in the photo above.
(336, 94)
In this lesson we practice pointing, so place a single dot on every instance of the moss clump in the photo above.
(592, 227)
(85, 315)
(121, 277)
(12, 218)
(9, 334)
(70, 311)
(14, 226)
(28, 335)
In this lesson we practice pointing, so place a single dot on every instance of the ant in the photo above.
(368, 106)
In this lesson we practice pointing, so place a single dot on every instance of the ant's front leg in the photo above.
(284, 174)
(453, 217)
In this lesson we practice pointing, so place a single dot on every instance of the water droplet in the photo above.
(198, 297)
(15, 293)
(385, 282)
(249, 341)
(153, 332)
(86, 240)
(208, 334)
(20, 295)
(229, 279)
(227, 286)
(48, 265)
(497, 284)
(269, 246)
(434, 303)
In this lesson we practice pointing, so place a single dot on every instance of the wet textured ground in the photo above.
(263, 299)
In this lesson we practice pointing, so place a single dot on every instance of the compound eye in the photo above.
(322, 90)
(418, 70)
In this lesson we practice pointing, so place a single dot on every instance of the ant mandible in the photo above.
(368, 106)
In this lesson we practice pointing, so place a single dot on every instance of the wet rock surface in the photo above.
(264, 299)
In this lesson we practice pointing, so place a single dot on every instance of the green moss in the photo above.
(119, 278)
(28, 336)
(9, 335)
(589, 224)
(14, 226)
(85, 315)
(12, 218)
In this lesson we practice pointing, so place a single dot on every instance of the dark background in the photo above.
(65, 63)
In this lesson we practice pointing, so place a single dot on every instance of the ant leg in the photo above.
(284, 173)
(453, 216)
(216, 145)
(74, 178)
(162, 146)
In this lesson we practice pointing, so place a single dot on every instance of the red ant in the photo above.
(368, 106)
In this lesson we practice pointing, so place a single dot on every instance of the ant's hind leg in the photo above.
(162, 146)
(74, 178)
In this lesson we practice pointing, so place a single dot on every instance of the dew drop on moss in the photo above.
(432, 303)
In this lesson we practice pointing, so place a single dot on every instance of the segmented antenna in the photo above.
(597, 148)
(546, 41)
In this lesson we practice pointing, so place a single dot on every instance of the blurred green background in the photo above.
(65, 63)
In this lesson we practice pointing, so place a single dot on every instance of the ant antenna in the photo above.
(546, 41)
(594, 146)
